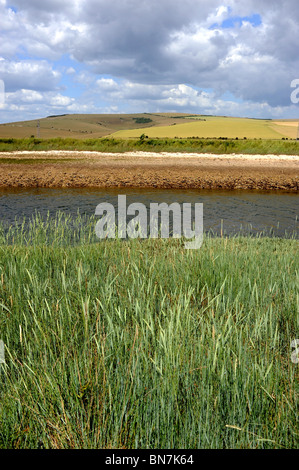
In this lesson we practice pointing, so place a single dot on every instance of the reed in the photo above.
(143, 344)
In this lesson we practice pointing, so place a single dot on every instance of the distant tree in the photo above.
(143, 137)
(142, 120)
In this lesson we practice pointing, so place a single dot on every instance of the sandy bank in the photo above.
(148, 169)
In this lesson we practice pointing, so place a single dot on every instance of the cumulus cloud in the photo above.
(29, 104)
(106, 84)
(158, 53)
(175, 98)
(28, 74)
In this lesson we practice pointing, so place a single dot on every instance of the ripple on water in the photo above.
(224, 211)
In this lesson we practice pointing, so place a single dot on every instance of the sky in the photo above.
(233, 58)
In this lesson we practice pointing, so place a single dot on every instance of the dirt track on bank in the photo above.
(59, 169)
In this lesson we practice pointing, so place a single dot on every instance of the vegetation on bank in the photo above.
(143, 344)
(143, 143)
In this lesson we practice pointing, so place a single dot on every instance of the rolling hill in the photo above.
(160, 125)
(82, 126)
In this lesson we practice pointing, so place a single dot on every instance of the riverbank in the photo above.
(76, 169)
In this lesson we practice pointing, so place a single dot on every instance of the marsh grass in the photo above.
(143, 344)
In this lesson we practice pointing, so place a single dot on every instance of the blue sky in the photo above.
(237, 21)
(234, 58)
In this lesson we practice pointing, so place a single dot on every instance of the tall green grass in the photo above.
(221, 145)
(143, 344)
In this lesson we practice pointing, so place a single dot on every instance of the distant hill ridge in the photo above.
(160, 125)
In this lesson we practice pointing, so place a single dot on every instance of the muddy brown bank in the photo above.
(78, 169)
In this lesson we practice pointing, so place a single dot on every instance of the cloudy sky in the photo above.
(229, 57)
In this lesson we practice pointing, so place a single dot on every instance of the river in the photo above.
(225, 212)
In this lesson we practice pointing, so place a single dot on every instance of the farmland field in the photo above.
(161, 125)
(215, 127)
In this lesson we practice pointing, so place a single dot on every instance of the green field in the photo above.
(143, 344)
(216, 127)
(159, 125)
(82, 126)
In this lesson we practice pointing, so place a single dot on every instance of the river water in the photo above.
(226, 212)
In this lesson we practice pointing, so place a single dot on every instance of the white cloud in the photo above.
(60, 101)
(25, 96)
(70, 70)
(29, 104)
(150, 51)
(107, 84)
(28, 74)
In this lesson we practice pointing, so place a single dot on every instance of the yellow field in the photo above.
(218, 127)
(163, 125)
